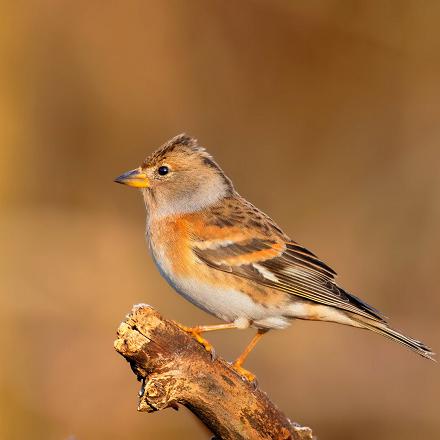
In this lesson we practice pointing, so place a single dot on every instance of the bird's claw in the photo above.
(251, 378)
(197, 335)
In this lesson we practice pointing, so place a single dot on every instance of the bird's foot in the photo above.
(245, 373)
(196, 333)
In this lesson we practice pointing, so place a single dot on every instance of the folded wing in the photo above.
(282, 265)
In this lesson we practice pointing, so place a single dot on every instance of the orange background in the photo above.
(325, 114)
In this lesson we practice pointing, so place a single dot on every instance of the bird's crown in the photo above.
(181, 143)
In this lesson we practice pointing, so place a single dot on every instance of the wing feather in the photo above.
(284, 266)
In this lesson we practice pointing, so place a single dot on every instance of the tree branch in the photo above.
(176, 369)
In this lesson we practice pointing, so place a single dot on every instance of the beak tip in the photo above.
(134, 178)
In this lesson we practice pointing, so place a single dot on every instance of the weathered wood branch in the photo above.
(176, 369)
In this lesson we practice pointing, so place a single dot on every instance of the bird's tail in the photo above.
(383, 329)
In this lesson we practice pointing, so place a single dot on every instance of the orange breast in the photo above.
(170, 244)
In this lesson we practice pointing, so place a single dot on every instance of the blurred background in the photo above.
(325, 114)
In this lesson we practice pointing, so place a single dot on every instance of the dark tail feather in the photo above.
(381, 328)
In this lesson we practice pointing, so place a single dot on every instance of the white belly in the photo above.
(229, 305)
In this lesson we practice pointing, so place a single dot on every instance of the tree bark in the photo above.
(175, 369)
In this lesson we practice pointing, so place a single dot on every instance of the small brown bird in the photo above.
(230, 259)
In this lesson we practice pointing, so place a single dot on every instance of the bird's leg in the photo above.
(196, 333)
(237, 365)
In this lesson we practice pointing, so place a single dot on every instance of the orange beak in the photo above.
(135, 178)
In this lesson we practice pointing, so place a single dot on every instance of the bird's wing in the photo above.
(271, 260)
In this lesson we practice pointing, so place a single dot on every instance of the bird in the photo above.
(230, 259)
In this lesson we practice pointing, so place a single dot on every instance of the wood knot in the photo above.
(158, 394)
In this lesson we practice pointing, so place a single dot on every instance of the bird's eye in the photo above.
(163, 170)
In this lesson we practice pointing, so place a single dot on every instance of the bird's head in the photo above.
(179, 177)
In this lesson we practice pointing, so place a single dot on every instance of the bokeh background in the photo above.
(324, 113)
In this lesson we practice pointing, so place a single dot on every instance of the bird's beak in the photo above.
(135, 178)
